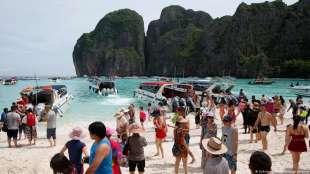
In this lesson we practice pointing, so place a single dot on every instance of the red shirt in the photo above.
(142, 115)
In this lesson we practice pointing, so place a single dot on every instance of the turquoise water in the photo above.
(87, 106)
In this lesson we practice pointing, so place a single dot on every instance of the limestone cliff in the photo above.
(115, 47)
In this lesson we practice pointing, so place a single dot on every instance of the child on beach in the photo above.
(75, 149)
(142, 116)
(287, 140)
(60, 164)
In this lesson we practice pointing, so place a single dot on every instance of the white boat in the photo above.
(9, 81)
(57, 96)
(104, 88)
(302, 90)
(161, 92)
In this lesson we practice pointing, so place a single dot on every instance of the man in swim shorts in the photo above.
(265, 118)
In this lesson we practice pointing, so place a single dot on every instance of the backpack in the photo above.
(31, 119)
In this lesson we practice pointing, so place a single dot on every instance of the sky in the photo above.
(38, 36)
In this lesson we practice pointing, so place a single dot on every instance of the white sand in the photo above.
(35, 159)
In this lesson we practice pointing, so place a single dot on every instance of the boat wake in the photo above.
(117, 101)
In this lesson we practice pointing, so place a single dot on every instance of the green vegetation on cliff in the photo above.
(259, 39)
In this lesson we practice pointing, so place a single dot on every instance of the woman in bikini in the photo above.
(298, 133)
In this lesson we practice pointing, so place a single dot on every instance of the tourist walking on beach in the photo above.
(297, 145)
(149, 110)
(222, 108)
(3, 124)
(12, 120)
(208, 130)
(22, 113)
(246, 115)
(50, 118)
(265, 118)
(214, 150)
(294, 107)
(253, 115)
(142, 116)
(136, 144)
(30, 128)
(117, 154)
(3, 115)
(100, 160)
(282, 110)
(270, 108)
(180, 148)
(160, 132)
(231, 111)
(131, 113)
(121, 125)
(230, 139)
(260, 163)
(75, 149)
(61, 164)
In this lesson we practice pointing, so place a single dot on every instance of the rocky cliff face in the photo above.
(173, 42)
(115, 47)
(257, 39)
(267, 38)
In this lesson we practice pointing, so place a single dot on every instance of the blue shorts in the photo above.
(51, 132)
(231, 162)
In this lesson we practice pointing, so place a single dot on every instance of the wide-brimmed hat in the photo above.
(77, 133)
(123, 110)
(214, 146)
(118, 114)
(109, 131)
(135, 128)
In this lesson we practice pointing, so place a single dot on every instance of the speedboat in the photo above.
(261, 81)
(56, 96)
(221, 91)
(56, 79)
(104, 88)
(302, 90)
(11, 81)
(200, 85)
(161, 92)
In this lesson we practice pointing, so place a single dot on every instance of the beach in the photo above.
(35, 159)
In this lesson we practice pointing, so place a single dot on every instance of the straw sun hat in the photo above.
(135, 128)
(118, 114)
(77, 134)
(214, 146)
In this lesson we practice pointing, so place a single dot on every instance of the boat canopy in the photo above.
(44, 94)
(157, 83)
(109, 85)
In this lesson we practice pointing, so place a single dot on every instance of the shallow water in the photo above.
(87, 106)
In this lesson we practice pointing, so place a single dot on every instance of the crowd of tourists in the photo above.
(21, 119)
(124, 146)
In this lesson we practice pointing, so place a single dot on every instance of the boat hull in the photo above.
(301, 91)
